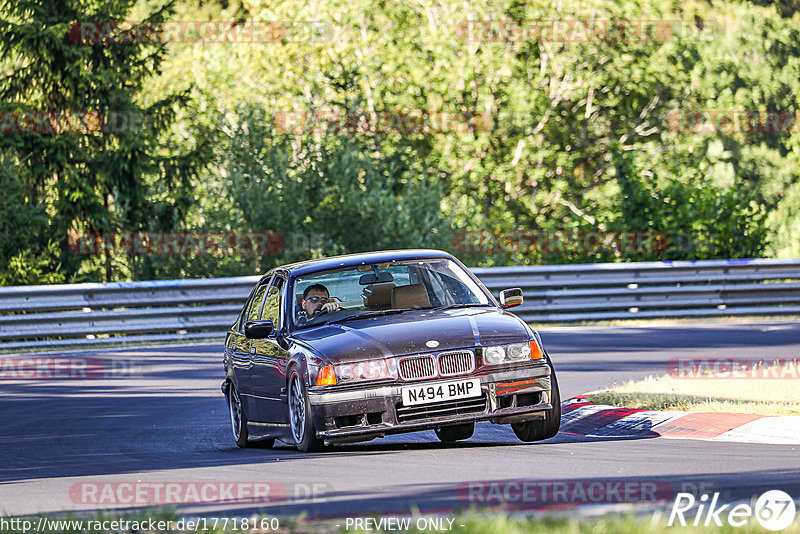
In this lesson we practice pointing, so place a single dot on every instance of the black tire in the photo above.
(238, 417)
(301, 423)
(543, 428)
(449, 434)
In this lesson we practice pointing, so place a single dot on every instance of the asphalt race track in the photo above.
(168, 423)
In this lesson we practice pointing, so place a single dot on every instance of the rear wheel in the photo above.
(238, 417)
(543, 428)
(300, 420)
(448, 434)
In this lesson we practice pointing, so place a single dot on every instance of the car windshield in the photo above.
(381, 289)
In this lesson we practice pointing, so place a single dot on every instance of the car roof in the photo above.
(353, 260)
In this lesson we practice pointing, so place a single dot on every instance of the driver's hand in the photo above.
(331, 307)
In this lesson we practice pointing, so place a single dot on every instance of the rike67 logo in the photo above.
(774, 510)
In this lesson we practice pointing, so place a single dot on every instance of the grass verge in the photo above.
(764, 397)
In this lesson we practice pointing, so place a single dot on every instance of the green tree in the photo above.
(28, 251)
(331, 193)
(580, 133)
(699, 220)
(91, 179)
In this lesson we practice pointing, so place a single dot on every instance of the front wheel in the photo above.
(543, 428)
(448, 434)
(300, 416)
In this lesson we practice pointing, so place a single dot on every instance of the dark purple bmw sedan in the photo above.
(355, 347)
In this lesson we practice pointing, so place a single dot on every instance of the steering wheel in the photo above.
(322, 311)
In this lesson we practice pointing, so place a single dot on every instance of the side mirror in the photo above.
(258, 329)
(511, 297)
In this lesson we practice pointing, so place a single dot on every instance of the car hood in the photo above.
(413, 332)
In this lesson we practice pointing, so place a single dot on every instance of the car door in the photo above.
(234, 339)
(245, 351)
(269, 358)
(237, 353)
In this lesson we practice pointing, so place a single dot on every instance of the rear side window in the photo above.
(272, 305)
(251, 314)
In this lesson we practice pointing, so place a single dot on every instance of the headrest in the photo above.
(411, 296)
(378, 295)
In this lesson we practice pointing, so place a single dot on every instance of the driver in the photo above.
(315, 299)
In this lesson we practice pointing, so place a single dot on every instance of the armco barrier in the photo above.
(87, 314)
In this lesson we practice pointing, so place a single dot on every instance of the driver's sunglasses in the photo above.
(323, 300)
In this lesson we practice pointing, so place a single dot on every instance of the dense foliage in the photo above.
(375, 125)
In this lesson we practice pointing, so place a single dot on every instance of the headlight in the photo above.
(515, 352)
(518, 352)
(370, 370)
(494, 354)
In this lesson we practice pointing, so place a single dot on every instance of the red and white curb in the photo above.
(583, 418)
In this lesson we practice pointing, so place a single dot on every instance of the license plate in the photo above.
(441, 391)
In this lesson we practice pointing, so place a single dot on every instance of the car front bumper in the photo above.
(507, 396)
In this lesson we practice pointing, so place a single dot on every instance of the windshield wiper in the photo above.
(363, 315)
